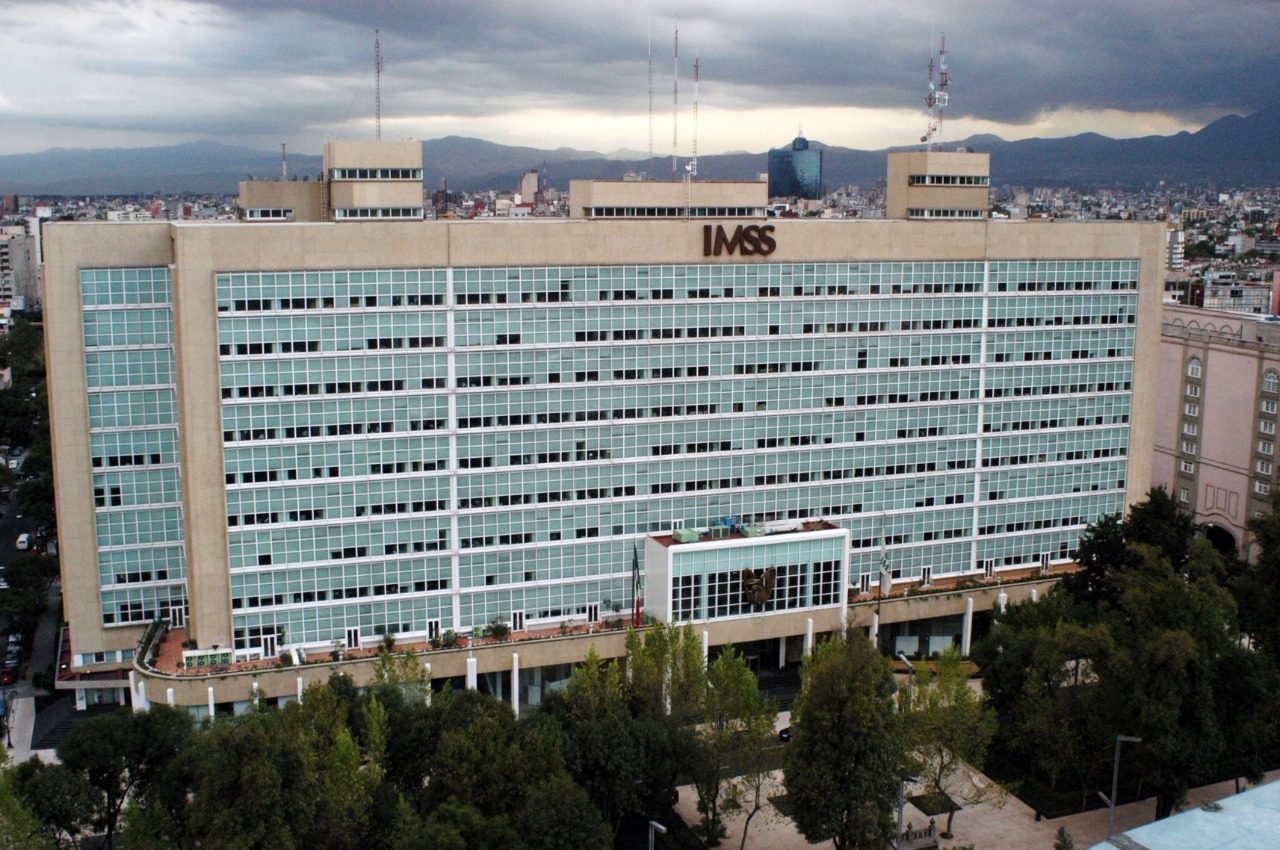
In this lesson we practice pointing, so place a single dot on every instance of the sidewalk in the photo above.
(44, 652)
(986, 826)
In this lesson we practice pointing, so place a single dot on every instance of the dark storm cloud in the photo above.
(1011, 59)
(241, 68)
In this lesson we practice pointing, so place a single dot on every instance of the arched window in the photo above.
(1193, 367)
(1271, 382)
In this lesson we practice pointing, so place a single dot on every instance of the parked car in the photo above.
(24, 542)
(8, 675)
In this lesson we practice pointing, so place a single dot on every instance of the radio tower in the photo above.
(937, 98)
(675, 100)
(377, 96)
(650, 93)
(692, 166)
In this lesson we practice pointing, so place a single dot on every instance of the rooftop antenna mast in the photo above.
(675, 100)
(937, 98)
(650, 90)
(377, 73)
(692, 165)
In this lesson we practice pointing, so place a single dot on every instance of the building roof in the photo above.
(1246, 821)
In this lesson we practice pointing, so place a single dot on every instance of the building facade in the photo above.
(938, 185)
(309, 434)
(1216, 434)
(795, 171)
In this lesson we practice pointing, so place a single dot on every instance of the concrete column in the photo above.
(875, 629)
(142, 704)
(212, 707)
(82, 702)
(844, 617)
(782, 652)
(515, 684)
(966, 631)
(1034, 596)
(133, 691)
(169, 698)
(706, 647)
(471, 674)
(299, 689)
(1003, 601)
(256, 694)
(427, 696)
(808, 636)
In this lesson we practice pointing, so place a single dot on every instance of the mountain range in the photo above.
(1232, 151)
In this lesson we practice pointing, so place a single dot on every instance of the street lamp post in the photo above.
(911, 675)
(655, 827)
(1115, 782)
(8, 718)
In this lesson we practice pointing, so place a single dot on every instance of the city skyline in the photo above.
(133, 73)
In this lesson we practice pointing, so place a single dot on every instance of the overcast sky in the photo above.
(574, 73)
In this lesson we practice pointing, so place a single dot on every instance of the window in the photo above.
(1188, 447)
(1190, 428)
(1268, 406)
(1191, 408)
(1261, 489)
(1266, 426)
(1266, 447)
(1188, 467)
(1263, 467)
(1193, 391)
(1193, 367)
(1184, 495)
(1271, 382)
(926, 576)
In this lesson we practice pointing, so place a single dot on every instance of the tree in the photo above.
(848, 756)
(121, 753)
(557, 814)
(1258, 587)
(605, 749)
(950, 727)
(737, 725)
(57, 801)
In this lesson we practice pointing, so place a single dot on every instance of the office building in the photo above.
(360, 181)
(1215, 436)
(796, 171)
(946, 185)
(300, 438)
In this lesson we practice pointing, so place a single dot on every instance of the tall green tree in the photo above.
(122, 754)
(950, 727)
(737, 725)
(844, 766)
(44, 805)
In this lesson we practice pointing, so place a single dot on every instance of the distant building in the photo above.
(1215, 437)
(1177, 248)
(528, 188)
(795, 172)
(362, 181)
(17, 263)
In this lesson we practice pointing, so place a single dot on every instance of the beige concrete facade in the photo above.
(305, 198)
(197, 252)
(585, 195)
(354, 179)
(901, 196)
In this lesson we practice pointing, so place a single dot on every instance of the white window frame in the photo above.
(1262, 488)
(1193, 391)
(1190, 429)
(1188, 467)
(1184, 495)
(1266, 426)
(1263, 467)
(1268, 405)
(1191, 408)
(1194, 369)
(1188, 447)
(1271, 381)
